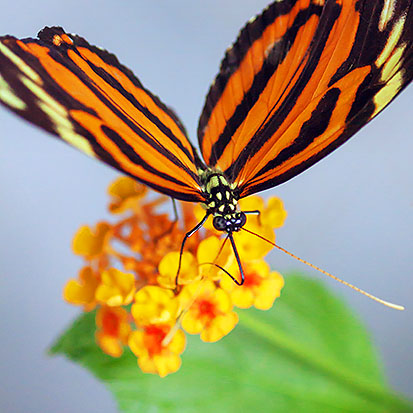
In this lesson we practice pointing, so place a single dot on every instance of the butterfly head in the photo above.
(229, 223)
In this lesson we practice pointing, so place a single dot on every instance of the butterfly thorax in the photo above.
(221, 201)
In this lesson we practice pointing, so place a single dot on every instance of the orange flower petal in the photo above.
(114, 330)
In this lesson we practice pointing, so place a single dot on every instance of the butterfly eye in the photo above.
(243, 219)
(219, 223)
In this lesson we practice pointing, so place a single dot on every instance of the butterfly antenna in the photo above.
(371, 296)
(222, 269)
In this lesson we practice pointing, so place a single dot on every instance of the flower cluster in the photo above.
(131, 267)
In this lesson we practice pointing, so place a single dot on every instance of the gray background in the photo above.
(352, 213)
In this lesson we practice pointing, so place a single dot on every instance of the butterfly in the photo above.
(300, 80)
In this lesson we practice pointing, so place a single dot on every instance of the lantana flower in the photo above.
(209, 311)
(260, 289)
(113, 329)
(82, 291)
(156, 353)
(148, 294)
(92, 243)
(155, 305)
(116, 288)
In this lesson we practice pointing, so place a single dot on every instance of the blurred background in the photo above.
(351, 214)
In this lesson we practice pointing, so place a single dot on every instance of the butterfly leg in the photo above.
(196, 228)
(175, 209)
(256, 212)
(173, 223)
(241, 270)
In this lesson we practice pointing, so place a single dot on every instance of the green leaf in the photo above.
(307, 354)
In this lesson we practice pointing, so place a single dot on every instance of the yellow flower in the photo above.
(252, 203)
(260, 289)
(210, 311)
(157, 353)
(154, 305)
(125, 193)
(251, 247)
(274, 214)
(91, 243)
(210, 253)
(113, 330)
(168, 268)
(117, 288)
(82, 291)
(135, 261)
(199, 213)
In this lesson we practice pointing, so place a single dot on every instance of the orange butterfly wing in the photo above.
(86, 97)
(300, 80)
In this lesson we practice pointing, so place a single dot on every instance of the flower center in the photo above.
(207, 309)
(252, 279)
(154, 336)
(110, 324)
